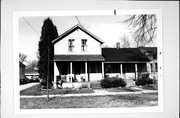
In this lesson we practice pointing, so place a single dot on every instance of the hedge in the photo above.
(112, 82)
(143, 79)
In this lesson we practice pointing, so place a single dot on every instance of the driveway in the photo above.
(25, 86)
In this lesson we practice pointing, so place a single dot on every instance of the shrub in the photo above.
(112, 82)
(105, 83)
(143, 80)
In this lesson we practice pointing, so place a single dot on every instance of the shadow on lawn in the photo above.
(125, 89)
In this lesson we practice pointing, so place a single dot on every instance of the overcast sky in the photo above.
(108, 28)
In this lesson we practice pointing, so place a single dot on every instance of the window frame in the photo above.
(83, 45)
(70, 45)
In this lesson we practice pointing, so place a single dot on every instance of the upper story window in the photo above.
(70, 44)
(83, 44)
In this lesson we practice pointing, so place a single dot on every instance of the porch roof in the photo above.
(123, 55)
(78, 58)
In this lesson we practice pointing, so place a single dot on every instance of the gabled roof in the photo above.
(149, 50)
(123, 55)
(78, 58)
(74, 29)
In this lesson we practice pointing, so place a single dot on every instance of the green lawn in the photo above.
(110, 101)
(36, 90)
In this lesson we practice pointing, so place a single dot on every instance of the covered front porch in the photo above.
(78, 68)
(124, 70)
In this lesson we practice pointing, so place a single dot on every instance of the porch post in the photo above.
(149, 69)
(86, 71)
(102, 70)
(154, 69)
(55, 74)
(71, 71)
(121, 68)
(136, 72)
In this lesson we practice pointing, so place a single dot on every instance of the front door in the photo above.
(78, 71)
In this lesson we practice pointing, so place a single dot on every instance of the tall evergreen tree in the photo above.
(48, 34)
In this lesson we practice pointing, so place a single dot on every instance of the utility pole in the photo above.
(48, 73)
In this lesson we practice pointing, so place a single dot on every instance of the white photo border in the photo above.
(18, 14)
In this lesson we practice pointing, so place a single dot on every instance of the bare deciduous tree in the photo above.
(126, 43)
(32, 65)
(22, 57)
(143, 28)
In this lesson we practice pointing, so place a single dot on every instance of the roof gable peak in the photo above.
(74, 28)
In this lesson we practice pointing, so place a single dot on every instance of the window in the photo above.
(71, 46)
(128, 68)
(78, 67)
(112, 68)
(84, 44)
(142, 67)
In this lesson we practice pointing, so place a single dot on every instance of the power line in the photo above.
(78, 20)
(31, 26)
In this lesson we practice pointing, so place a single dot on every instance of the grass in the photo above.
(110, 101)
(151, 87)
(96, 85)
(36, 90)
(125, 89)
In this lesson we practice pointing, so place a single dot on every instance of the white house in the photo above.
(78, 56)
(32, 73)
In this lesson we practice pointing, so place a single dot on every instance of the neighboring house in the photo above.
(151, 53)
(78, 56)
(32, 73)
(21, 72)
(124, 62)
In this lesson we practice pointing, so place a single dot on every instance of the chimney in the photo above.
(118, 45)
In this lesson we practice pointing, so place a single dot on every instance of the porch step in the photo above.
(130, 82)
(95, 85)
